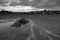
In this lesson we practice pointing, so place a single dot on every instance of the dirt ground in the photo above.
(49, 22)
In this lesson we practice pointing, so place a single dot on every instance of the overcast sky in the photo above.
(49, 4)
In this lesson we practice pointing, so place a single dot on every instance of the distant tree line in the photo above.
(49, 12)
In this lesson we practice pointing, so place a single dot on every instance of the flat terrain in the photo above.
(49, 22)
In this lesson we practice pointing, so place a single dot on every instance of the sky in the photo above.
(18, 5)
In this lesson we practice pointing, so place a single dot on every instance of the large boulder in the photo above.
(20, 22)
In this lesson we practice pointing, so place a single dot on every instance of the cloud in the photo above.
(30, 0)
(8, 2)
(13, 0)
(13, 5)
(18, 8)
(48, 4)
